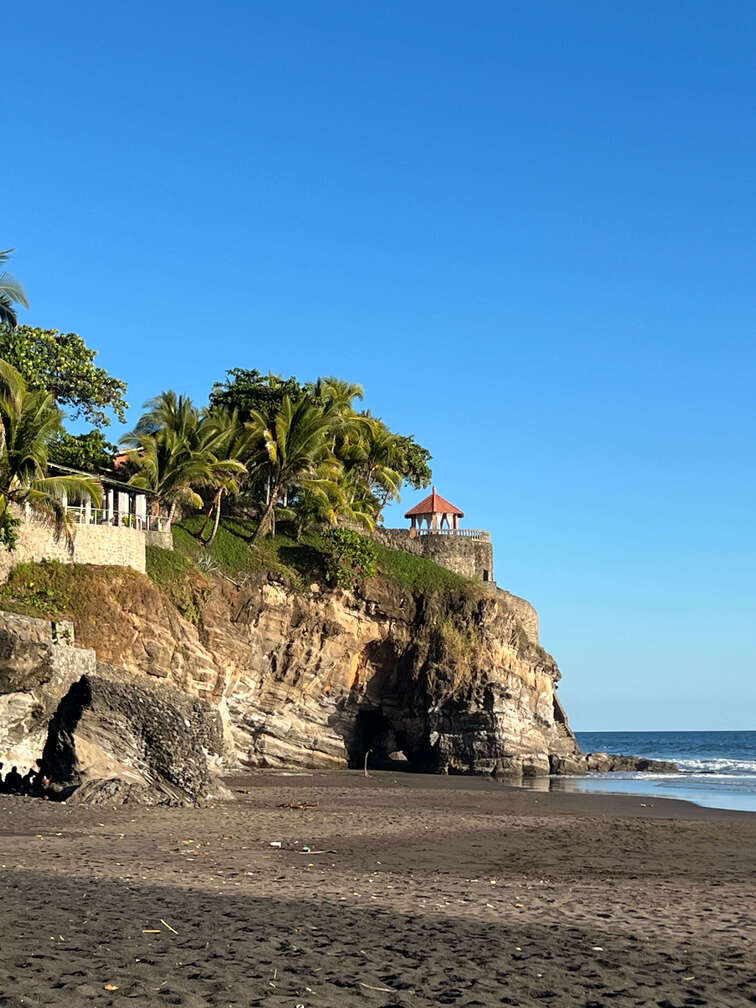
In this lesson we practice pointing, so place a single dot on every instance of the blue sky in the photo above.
(527, 229)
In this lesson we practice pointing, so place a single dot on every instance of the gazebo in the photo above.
(435, 513)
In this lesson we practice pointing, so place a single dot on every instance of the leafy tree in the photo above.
(62, 364)
(89, 452)
(29, 421)
(246, 392)
(412, 462)
(11, 293)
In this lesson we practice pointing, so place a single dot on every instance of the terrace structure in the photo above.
(115, 534)
(435, 533)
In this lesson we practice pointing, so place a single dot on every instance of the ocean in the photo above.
(717, 768)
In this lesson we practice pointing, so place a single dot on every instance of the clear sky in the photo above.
(526, 228)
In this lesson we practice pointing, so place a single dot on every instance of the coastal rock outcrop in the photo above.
(38, 663)
(115, 738)
(598, 762)
(273, 675)
(311, 677)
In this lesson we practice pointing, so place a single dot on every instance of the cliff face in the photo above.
(318, 678)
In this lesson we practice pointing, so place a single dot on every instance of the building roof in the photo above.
(101, 477)
(434, 504)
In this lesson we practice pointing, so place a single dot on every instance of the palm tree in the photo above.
(228, 441)
(166, 466)
(29, 422)
(11, 292)
(177, 452)
(295, 452)
(166, 411)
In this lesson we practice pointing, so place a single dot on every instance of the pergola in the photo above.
(435, 513)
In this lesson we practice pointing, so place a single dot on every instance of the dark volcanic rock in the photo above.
(582, 763)
(120, 739)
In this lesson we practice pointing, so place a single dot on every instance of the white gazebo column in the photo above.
(87, 510)
(109, 506)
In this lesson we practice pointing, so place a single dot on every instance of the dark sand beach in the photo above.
(415, 891)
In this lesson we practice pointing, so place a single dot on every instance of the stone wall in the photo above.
(162, 539)
(472, 558)
(103, 545)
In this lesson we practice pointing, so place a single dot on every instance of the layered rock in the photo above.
(115, 737)
(317, 678)
(38, 663)
(576, 764)
(269, 676)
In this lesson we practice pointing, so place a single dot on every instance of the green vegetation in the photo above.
(333, 557)
(233, 553)
(176, 451)
(178, 579)
(294, 458)
(36, 590)
(349, 557)
(89, 452)
(63, 365)
(415, 573)
(11, 294)
(29, 421)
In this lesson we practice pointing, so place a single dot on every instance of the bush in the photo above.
(37, 589)
(177, 577)
(348, 557)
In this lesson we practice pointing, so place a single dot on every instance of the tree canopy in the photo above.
(29, 421)
(287, 452)
(11, 294)
(63, 365)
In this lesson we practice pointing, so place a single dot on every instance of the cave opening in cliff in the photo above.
(374, 737)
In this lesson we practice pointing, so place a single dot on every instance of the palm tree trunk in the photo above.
(268, 520)
(208, 519)
(218, 502)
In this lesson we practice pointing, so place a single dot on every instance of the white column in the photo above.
(123, 506)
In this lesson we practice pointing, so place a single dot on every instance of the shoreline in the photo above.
(597, 802)
(333, 890)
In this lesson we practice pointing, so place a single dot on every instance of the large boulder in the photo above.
(117, 739)
(38, 663)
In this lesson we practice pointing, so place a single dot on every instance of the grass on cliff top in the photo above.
(233, 554)
(416, 573)
(37, 589)
(299, 563)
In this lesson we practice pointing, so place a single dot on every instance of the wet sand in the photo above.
(416, 891)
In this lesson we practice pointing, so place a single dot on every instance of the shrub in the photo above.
(177, 577)
(348, 557)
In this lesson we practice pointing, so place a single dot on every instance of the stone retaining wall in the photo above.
(472, 558)
(162, 539)
(103, 545)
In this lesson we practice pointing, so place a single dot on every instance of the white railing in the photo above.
(468, 533)
(83, 515)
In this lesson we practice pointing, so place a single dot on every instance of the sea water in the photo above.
(716, 768)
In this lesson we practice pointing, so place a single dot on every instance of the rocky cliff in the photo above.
(310, 677)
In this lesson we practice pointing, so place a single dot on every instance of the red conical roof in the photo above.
(434, 504)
